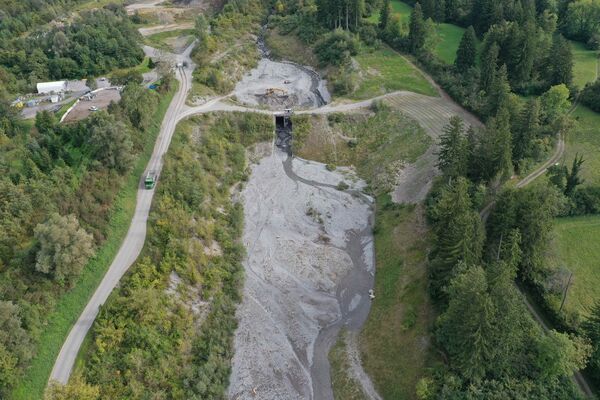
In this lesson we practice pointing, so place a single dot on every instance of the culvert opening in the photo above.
(283, 130)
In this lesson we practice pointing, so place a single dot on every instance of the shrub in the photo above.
(590, 95)
(336, 48)
(344, 81)
(342, 186)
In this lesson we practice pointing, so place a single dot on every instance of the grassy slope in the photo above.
(141, 68)
(584, 140)
(394, 342)
(577, 249)
(157, 40)
(448, 35)
(576, 239)
(585, 63)
(385, 71)
(289, 47)
(70, 306)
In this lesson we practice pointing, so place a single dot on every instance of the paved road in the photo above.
(133, 242)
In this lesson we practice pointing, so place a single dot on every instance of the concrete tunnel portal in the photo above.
(283, 131)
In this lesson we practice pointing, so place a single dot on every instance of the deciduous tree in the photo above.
(64, 247)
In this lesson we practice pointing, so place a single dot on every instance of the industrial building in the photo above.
(52, 87)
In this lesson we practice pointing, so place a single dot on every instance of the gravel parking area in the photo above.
(101, 101)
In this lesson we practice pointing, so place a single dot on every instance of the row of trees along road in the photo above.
(57, 189)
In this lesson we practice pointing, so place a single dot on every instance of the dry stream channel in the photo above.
(310, 257)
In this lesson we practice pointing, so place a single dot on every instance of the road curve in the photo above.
(132, 244)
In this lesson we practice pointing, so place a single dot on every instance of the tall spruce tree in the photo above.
(384, 15)
(440, 11)
(453, 153)
(527, 130)
(502, 143)
(417, 32)
(498, 92)
(489, 65)
(560, 62)
(459, 235)
(428, 8)
(466, 329)
(573, 178)
(466, 53)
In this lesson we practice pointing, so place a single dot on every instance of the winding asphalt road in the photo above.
(134, 240)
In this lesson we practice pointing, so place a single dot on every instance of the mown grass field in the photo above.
(448, 35)
(584, 140)
(143, 67)
(585, 64)
(577, 250)
(395, 341)
(575, 246)
(70, 306)
(448, 39)
(384, 70)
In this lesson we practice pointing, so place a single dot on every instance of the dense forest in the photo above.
(514, 69)
(58, 187)
(168, 331)
(92, 43)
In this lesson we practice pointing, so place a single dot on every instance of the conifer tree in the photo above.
(498, 92)
(440, 11)
(428, 8)
(453, 156)
(467, 51)
(502, 143)
(560, 62)
(417, 32)
(384, 15)
(527, 131)
(489, 65)
(573, 178)
(459, 235)
(466, 329)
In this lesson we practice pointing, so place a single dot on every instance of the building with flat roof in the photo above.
(51, 87)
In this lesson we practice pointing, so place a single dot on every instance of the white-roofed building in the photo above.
(51, 87)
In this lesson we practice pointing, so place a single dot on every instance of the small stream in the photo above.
(300, 318)
(351, 292)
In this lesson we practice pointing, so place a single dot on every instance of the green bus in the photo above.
(150, 180)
